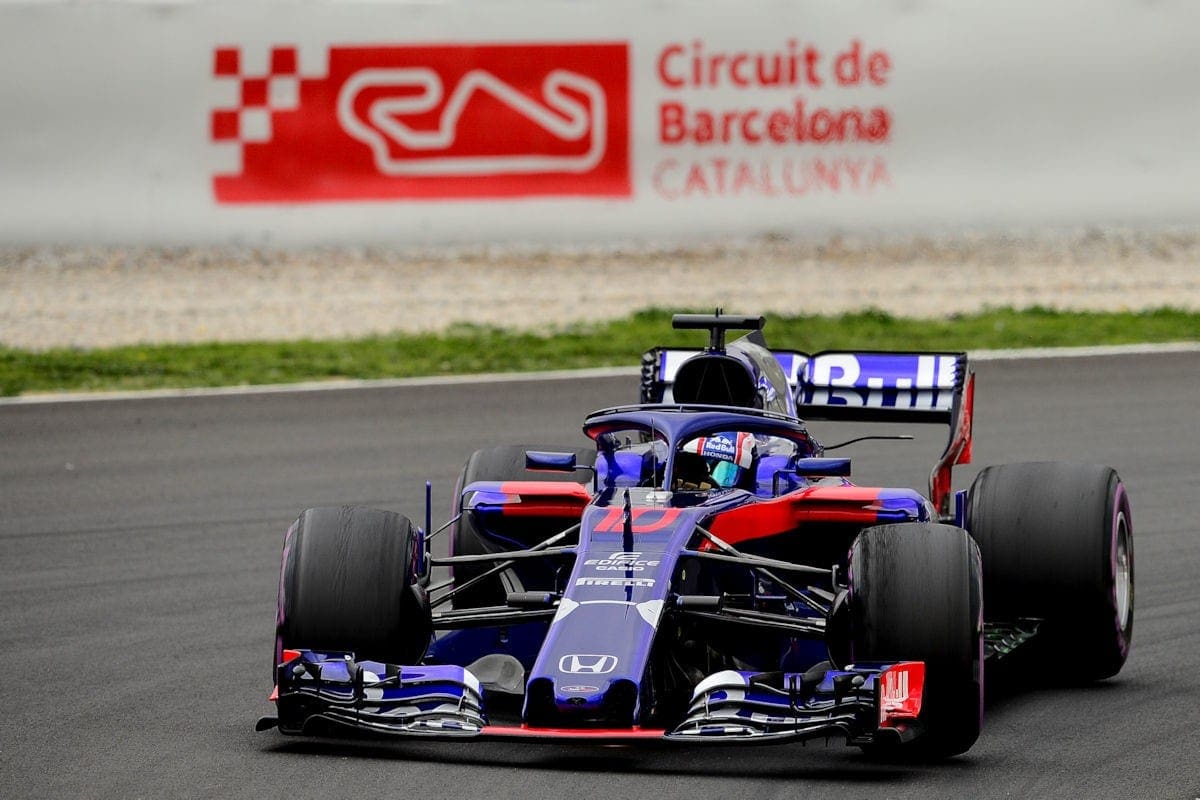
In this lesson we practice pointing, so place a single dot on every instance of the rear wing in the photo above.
(865, 386)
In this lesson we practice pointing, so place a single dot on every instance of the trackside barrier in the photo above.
(282, 123)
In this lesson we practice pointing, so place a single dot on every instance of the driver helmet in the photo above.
(727, 455)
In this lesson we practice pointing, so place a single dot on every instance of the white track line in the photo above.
(1085, 352)
(324, 386)
(549, 375)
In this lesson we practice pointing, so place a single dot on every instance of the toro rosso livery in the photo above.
(705, 572)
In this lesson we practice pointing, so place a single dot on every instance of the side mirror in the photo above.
(813, 468)
(822, 467)
(546, 461)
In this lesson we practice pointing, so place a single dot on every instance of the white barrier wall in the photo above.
(562, 121)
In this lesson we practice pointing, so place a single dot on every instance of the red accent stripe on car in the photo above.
(544, 499)
(817, 503)
(547, 489)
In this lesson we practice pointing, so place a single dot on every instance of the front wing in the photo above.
(862, 703)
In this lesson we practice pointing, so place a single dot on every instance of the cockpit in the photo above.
(693, 458)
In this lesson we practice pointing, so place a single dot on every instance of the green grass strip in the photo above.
(471, 349)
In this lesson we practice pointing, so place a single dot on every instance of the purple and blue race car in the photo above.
(706, 572)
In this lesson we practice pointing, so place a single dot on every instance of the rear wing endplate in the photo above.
(864, 386)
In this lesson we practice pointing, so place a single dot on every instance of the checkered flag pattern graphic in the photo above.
(259, 94)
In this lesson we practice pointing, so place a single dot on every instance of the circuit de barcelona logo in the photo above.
(422, 122)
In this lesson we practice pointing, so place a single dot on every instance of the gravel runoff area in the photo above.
(98, 297)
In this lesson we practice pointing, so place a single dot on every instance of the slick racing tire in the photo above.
(915, 594)
(503, 463)
(1057, 544)
(348, 583)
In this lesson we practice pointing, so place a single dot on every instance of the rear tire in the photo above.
(467, 537)
(348, 583)
(916, 595)
(1057, 544)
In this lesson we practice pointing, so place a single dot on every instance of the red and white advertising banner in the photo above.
(465, 121)
(786, 118)
(536, 121)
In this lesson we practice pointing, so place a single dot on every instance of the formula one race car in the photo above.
(706, 573)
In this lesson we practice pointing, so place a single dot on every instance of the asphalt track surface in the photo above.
(139, 546)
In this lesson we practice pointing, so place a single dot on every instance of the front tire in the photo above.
(1057, 544)
(348, 583)
(468, 536)
(916, 595)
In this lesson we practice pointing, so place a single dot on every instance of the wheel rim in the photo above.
(1123, 574)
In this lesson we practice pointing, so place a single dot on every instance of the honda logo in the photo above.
(587, 664)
